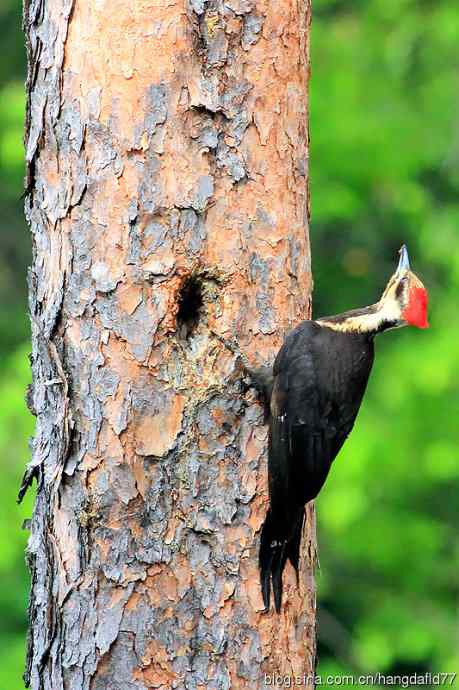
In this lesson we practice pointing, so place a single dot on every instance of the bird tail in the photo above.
(275, 550)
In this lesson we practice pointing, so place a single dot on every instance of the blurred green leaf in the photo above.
(384, 170)
(12, 657)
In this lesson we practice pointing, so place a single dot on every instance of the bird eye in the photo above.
(401, 286)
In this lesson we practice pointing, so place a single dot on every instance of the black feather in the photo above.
(265, 559)
(319, 379)
(293, 547)
(273, 555)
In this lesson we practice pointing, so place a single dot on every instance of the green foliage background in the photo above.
(384, 170)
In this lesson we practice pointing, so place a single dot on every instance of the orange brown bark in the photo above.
(167, 150)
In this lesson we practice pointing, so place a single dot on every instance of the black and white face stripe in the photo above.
(379, 317)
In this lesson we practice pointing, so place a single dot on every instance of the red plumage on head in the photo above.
(415, 313)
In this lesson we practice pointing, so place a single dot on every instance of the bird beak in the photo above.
(404, 262)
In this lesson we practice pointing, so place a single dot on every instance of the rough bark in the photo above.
(167, 197)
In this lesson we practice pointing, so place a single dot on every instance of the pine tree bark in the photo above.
(167, 154)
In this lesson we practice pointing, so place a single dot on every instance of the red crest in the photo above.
(415, 312)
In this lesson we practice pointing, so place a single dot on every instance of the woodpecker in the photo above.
(313, 394)
(318, 381)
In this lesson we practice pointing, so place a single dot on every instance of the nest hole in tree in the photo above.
(191, 302)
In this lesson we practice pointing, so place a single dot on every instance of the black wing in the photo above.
(319, 380)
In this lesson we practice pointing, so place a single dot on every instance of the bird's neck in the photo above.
(370, 320)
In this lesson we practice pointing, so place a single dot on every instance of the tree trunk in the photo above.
(167, 197)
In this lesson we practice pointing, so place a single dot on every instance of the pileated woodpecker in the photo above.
(314, 392)
(319, 378)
